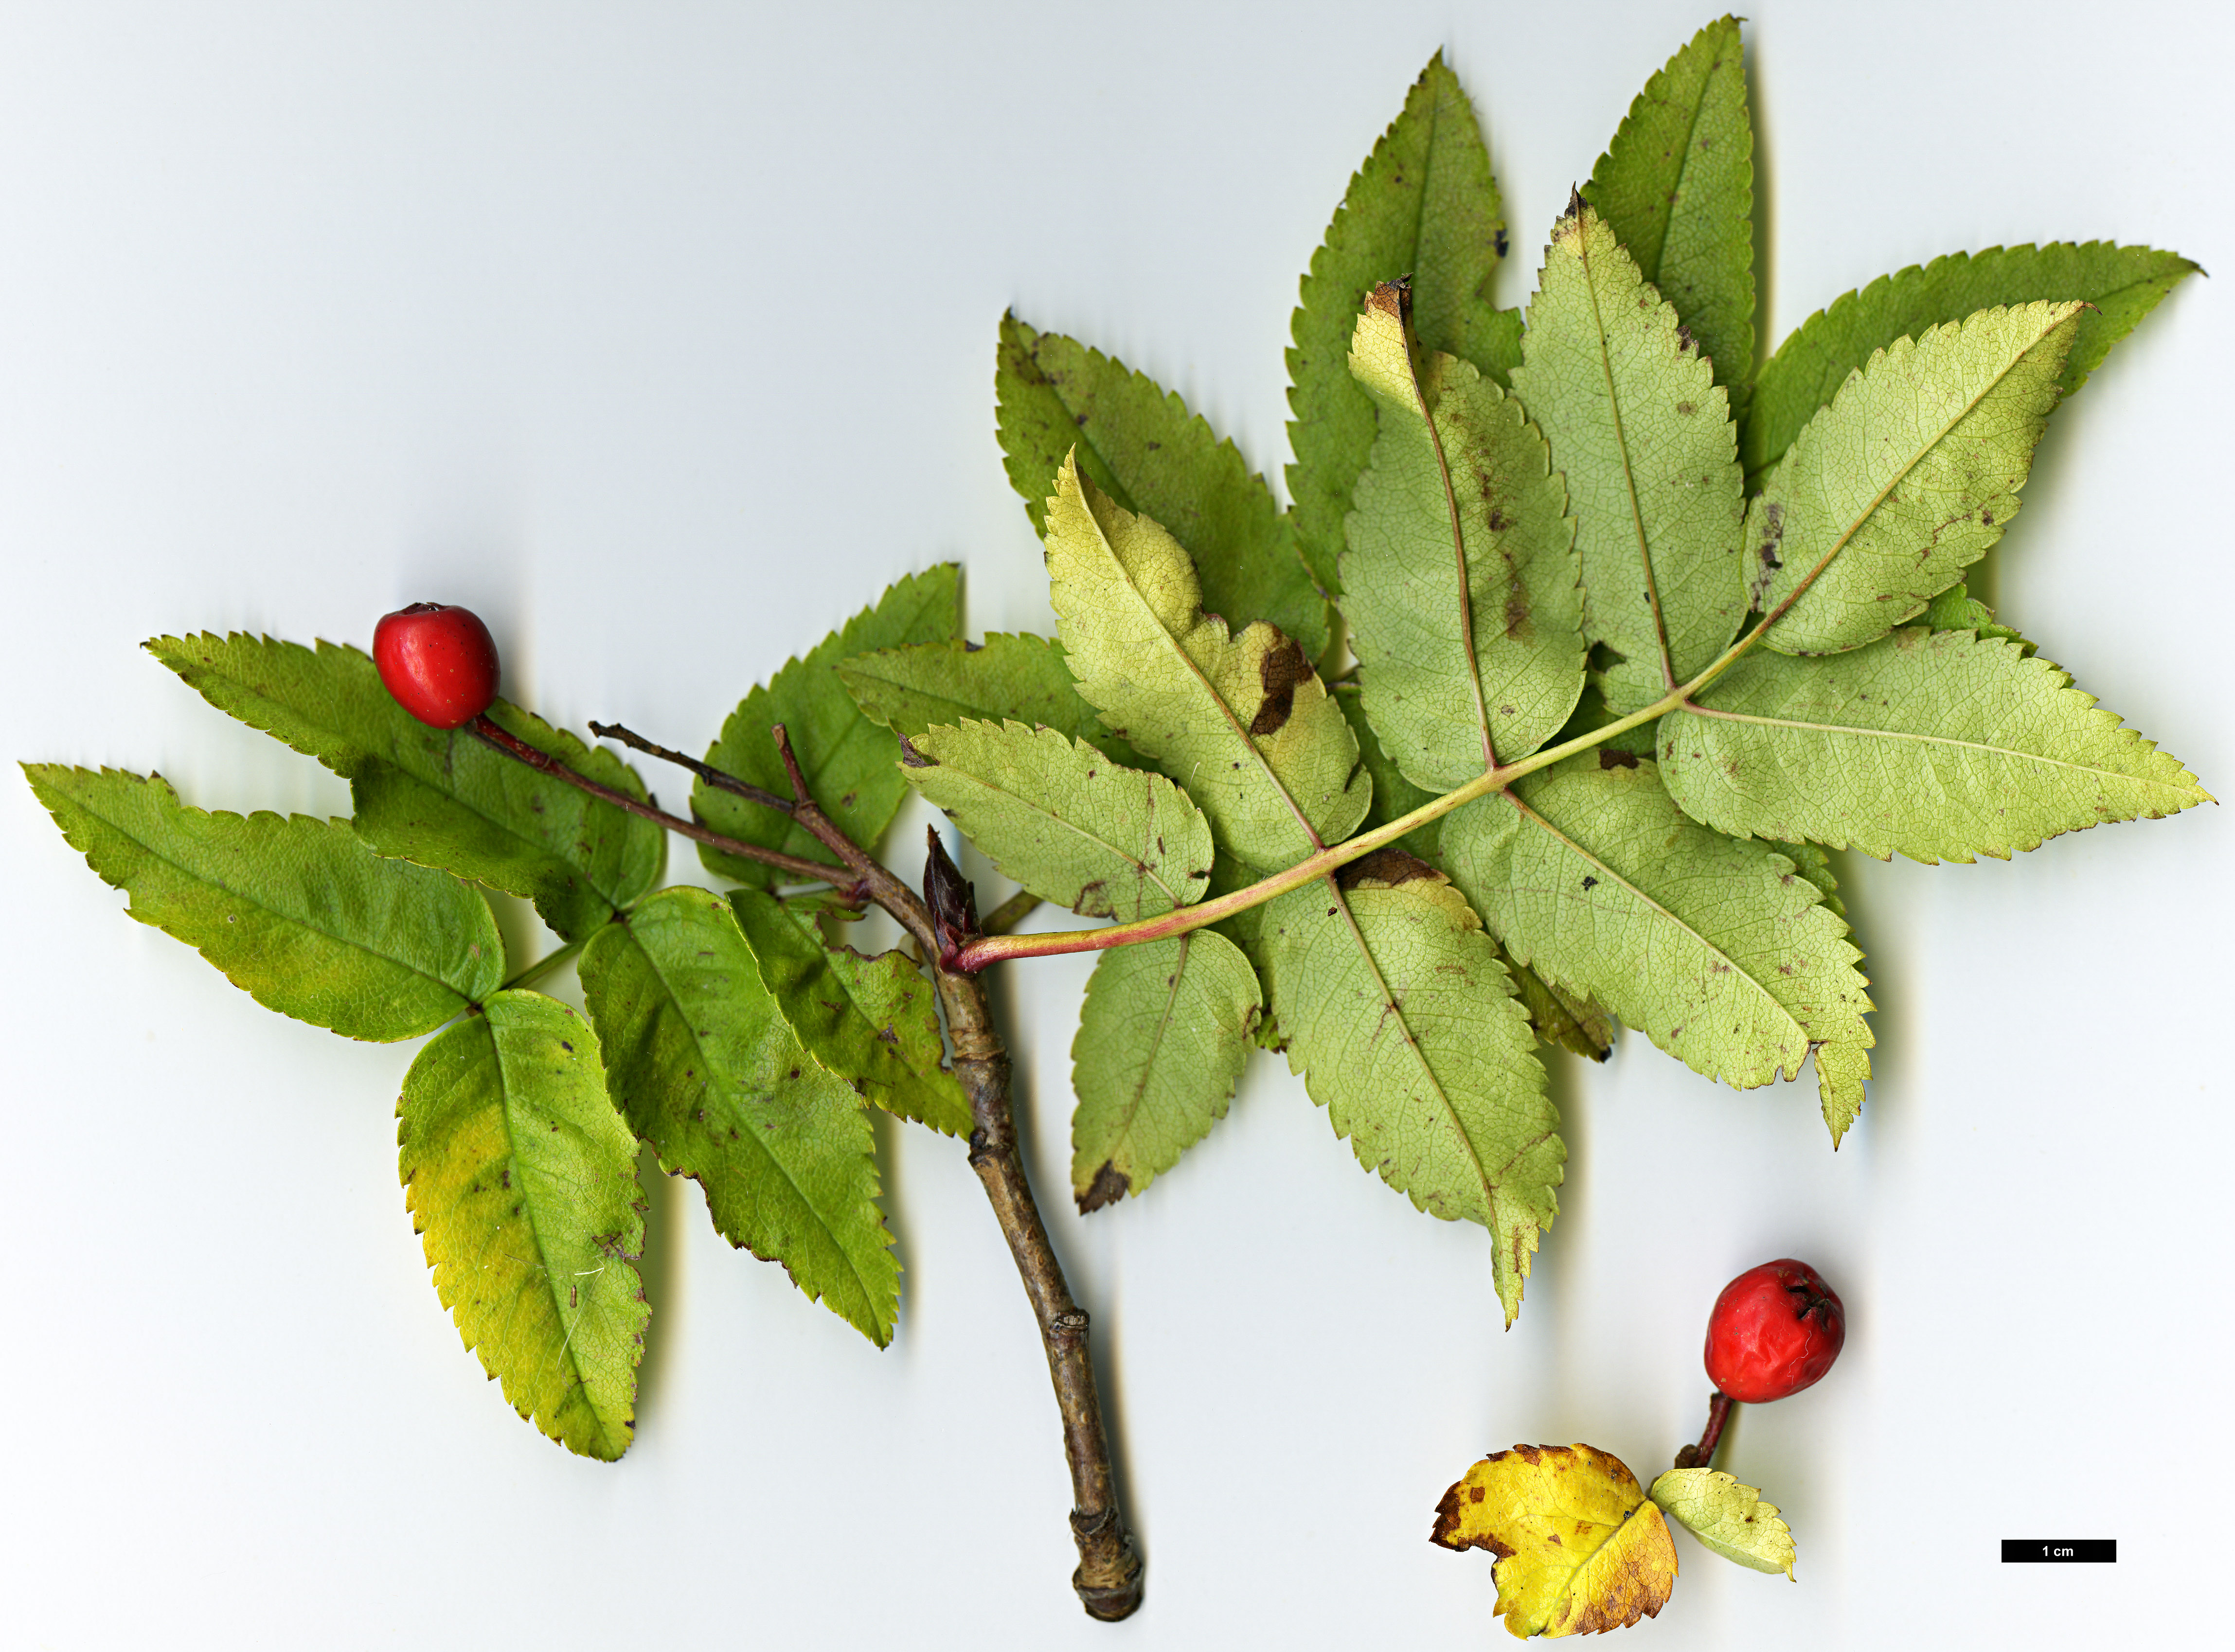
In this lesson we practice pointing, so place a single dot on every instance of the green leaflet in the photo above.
(296, 912)
(706, 1068)
(1460, 581)
(443, 798)
(1066, 822)
(1676, 186)
(1728, 1518)
(1905, 479)
(1162, 1040)
(1018, 676)
(1935, 744)
(1140, 445)
(1423, 204)
(1956, 609)
(1403, 1023)
(846, 759)
(1393, 795)
(870, 1020)
(1567, 1021)
(1718, 950)
(1242, 722)
(523, 1181)
(2124, 284)
(1640, 429)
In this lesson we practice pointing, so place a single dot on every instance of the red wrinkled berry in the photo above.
(1775, 1329)
(438, 661)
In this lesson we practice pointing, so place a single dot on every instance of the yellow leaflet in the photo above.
(1579, 1548)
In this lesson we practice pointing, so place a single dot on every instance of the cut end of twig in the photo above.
(1110, 1575)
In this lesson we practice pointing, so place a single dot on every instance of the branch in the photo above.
(543, 763)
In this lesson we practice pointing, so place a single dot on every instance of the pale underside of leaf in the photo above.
(1140, 445)
(1424, 205)
(1461, 582)
(296, 911)
(441, 797)
(846, 757)
(1642, 434)
(1162, 1041)
(1728, 1518)
(704, 1067)
(2121, 284)
(1242, 723)
(870, 1020)
(1009, 675)
(1905, 480)
(1580, 1548)
(522, 1180)
(1064, 821)
(1402, 1021)
(1676, 186)
(1935, 745)
(1720, 951)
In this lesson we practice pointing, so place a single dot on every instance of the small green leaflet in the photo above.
(1718, 950)
(296, 912)
(1423, 204)
(1934, 743)
(1393, 795)
(1141, 446)
(703, 1065)
(869, 1020)
(1956, 609)
(441, 797)
(1162, 1040)
(1641, 431)
(1676, 186)
(2122, 284)
(522, 1179)
(1403, 1024)
(846, 759)
(1460, 584)
(1565, 1021)
(1064, 821)
(1905, 480)
(1726, 1516)
(1018, 676)
(1241, 721)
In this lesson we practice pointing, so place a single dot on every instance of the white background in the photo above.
(662, 336)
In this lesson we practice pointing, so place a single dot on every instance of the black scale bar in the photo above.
(2059, 1551)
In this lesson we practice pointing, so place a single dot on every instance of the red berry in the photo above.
(438, 661)
(1775, 1329)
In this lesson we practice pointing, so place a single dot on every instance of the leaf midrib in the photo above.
(1153, 874)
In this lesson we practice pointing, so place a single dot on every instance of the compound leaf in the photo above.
(869, 1020)
(1460, 584)
(1018, 676)
(1719, 950)
(1905, 479)
(706, 1068)
(2123, 284)
(296, 911)
(1726, 1516)
(1424, 205)
(1935, 744)
(1162, 1041)
(1064, 821)
(1579, 1549)
(1140, 445)
(1642, 432)
(443, 798)
(522, 1179)
(846, 759)
(1241, 721)
(1402, 1021)
(1676, 186)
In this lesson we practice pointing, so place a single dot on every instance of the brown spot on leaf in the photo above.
(1591, 882)
(1109, 1184)
(1393, 298)
(1279, 672)
(1611, 759)
(1385, 867)
(912, 758)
